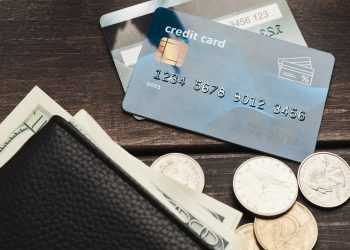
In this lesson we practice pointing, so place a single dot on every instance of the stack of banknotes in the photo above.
(215, 221)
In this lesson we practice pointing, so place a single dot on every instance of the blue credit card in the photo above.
(230, 84)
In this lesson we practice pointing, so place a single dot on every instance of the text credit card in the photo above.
(230, 84)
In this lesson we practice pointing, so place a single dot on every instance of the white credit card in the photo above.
(124, 30)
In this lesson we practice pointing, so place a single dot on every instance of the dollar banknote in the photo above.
(37, 108)
(165, 188)
(33, 112)
(229, 216)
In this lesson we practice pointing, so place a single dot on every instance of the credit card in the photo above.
(124, 30)
(230, 84)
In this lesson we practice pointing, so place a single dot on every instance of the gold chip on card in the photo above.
(171, 51)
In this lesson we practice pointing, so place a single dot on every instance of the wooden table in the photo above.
(58, 46)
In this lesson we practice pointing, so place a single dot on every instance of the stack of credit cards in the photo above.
(223, 82)
(124, 30)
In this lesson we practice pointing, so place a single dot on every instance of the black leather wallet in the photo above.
(60, 192)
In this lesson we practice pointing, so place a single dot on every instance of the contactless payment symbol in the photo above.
(298, 69)
(171, 51)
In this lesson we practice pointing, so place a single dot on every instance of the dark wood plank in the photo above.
(333, 224)
(58, 46)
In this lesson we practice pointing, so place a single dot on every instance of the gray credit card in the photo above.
(230, 84)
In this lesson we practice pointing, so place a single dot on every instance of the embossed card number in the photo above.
(210, 89)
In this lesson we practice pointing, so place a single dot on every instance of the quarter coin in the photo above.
(246, 233)
(297, 229)
(324, 179)
(181, 168)
(265, 186)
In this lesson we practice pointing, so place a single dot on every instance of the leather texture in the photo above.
(60, 192)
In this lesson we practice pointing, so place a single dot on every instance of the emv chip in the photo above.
(171, 51)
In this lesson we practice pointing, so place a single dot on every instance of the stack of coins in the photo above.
(268, 188)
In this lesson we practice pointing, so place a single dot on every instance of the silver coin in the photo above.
(181, 168)
(324, 179)
(265, 186)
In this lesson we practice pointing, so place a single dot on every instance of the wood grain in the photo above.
(333, 224)
(58, 45)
